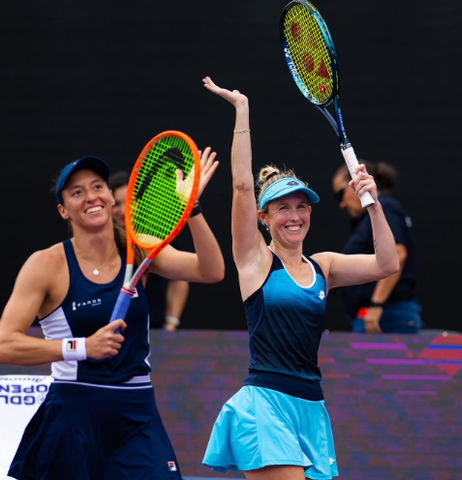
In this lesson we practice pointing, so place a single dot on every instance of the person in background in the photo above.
(388, 305)
(276, 427)
(166, 298)
(99, 419)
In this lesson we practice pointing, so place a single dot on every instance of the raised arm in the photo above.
(381, 293)
(206, 265)
(344, 270)
(248, 243)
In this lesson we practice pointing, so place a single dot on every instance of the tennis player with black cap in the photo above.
(277, 427)
(99, 420)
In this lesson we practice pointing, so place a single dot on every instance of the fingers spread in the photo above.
(179, 175)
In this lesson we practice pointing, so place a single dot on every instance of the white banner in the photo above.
(20, 397)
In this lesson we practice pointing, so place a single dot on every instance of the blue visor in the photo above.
(284, 187)
(92, 163)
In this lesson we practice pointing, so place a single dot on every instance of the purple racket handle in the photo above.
(121, 306)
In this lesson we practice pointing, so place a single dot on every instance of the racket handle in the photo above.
(121, 306)
(352, 162)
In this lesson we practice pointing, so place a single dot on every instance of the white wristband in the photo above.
(172, 321)
(74, 349)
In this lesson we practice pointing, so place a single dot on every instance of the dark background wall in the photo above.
(102, 77)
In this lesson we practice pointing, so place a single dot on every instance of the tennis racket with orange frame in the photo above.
(157, 205)
(312, 60)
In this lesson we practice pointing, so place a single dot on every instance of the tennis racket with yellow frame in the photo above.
(157, 204)
(312, 60)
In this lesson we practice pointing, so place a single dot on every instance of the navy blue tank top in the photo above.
(285, 323)
(86, 308)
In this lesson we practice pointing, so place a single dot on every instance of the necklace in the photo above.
(97, 270)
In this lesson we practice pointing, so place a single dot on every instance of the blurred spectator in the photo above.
(389, 305)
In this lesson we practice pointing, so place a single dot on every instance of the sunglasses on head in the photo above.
(339, 195)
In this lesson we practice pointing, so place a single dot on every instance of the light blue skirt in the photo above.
(259, 427)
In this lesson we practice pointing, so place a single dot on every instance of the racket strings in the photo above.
(156, 206)
(309, 52)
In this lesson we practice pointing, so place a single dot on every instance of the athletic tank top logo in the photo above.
(321, 295)
(93, 303)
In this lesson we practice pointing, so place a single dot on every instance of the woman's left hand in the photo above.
(208, 167)
(363, 182)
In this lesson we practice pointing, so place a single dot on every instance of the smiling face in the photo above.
(288, 218)
(87, 200)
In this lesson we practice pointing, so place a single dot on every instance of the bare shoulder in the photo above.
(53, 255)
(324, 260)
(40, 286)
(44, 263)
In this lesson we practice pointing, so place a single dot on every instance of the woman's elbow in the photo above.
(390, 268)
(243, 185)
(214, 275)
(3, 352)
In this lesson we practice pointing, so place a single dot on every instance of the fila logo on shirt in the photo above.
(172, 466)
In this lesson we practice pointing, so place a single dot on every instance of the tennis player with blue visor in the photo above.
(284, 187)
(276, 427)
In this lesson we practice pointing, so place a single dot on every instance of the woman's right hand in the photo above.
(105, 343)
(208, 167)
(234, 97)
(363, 182)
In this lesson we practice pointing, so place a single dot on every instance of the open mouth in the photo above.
(293, 228)
(95, 209)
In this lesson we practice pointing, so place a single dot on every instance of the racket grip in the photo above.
(350, 159)
(121, 306)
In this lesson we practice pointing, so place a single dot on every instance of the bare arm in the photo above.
(385, 286)
(207, 264)
(344, 270)
(204, 266)
(176, 297)
(249, 247)
(29, 293)
(34, 287)
(381, 293)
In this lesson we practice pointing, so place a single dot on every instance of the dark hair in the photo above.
(120, 237)
(118, 179)
(384, 174)
(270, 174)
